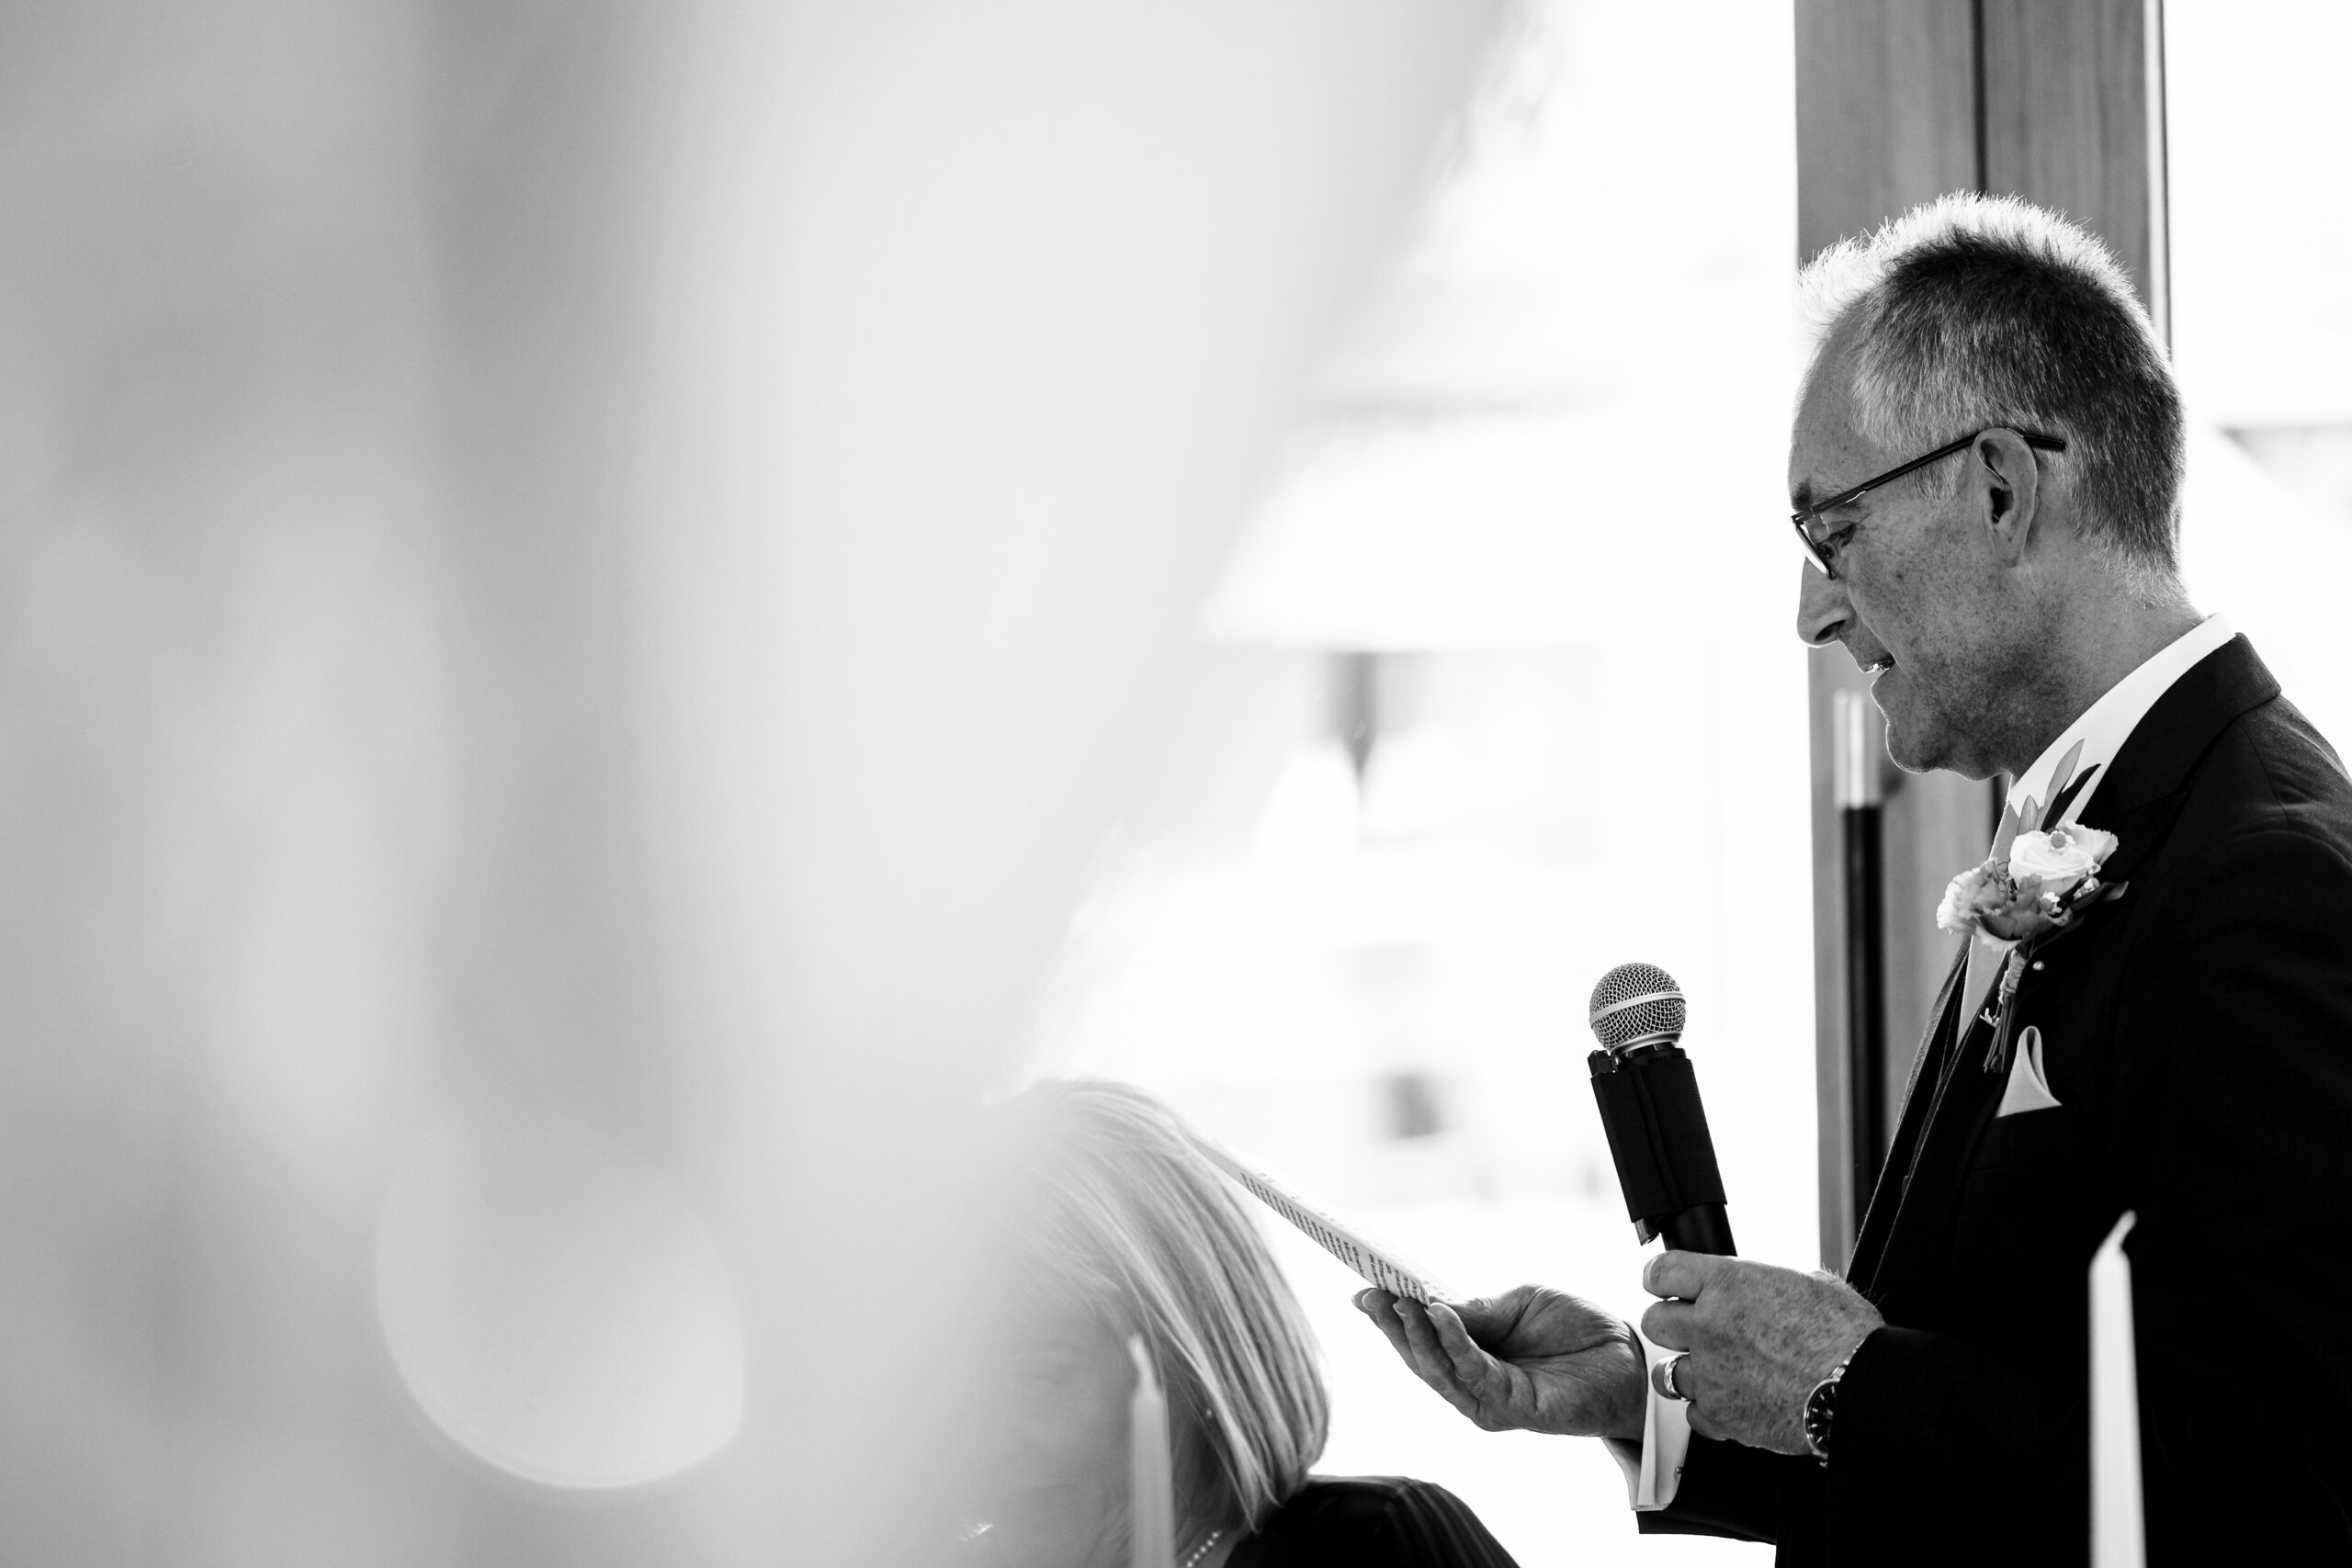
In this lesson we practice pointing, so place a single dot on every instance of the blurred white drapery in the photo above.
(586, 568)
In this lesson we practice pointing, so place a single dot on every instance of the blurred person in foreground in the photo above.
(1103, 1221)
(2151, 1010)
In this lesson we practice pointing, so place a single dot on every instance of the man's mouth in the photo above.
(1871, 663)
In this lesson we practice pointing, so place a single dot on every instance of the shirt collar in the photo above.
(2104, 727)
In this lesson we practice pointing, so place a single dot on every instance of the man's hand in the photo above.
(1529, 1359)
(1759, 1338)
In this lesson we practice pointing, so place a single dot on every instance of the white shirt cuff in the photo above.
(1654, 1471)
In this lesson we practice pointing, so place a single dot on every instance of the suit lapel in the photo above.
(1950, 1103)
(1926, 1072)
(2138, 828)
(1959, 1110)
(2147, 782)
(2164, 745)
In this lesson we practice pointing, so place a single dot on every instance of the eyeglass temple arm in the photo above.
(2046, 443)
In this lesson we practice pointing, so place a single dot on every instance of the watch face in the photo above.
(1819, 1407)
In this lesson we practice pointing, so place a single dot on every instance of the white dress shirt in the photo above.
(1654, 1470)
(2108, 723)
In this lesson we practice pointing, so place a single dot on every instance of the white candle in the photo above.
(1151, 1489)
(2117, 1523)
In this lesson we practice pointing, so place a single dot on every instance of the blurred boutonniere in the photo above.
(2023, 904)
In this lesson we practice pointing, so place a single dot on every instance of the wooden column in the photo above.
(2074, 118)
(1899, 101)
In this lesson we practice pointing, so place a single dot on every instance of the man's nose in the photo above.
(1821, 606)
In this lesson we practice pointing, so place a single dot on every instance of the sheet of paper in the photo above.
(1380, 1265)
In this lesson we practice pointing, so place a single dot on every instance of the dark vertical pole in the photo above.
(1856, 782)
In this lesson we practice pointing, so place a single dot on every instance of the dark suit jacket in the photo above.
(2197, 1032)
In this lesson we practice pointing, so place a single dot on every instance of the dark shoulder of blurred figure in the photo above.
(1102, 1222)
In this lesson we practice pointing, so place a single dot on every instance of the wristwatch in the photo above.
(1819, 1406)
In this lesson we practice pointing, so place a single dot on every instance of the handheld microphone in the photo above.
(1649, 1107)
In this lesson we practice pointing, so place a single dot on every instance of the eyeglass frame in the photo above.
(1805, 519)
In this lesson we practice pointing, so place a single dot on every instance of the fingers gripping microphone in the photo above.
(1649, 1107)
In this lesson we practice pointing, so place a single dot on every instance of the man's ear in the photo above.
(2004, 489)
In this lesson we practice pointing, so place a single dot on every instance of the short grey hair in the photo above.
(1112, 1208)
(1976, 312)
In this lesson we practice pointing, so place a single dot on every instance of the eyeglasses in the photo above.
(1814, 534)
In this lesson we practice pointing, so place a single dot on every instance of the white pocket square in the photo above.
(2029, 1089)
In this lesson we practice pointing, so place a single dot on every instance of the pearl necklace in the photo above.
(1202, 1550)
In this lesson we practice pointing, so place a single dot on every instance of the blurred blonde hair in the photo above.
(1109, 1205)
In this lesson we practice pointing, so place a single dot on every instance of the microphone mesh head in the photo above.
(1636, 1004)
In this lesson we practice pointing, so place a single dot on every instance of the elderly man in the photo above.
(1986, 466)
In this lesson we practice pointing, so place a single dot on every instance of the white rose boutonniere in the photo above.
(2048, 878)
(2061, 857)
(2045, 877)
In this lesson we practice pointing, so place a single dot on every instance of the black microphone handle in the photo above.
(1665, 1156)
(1702, 1229)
